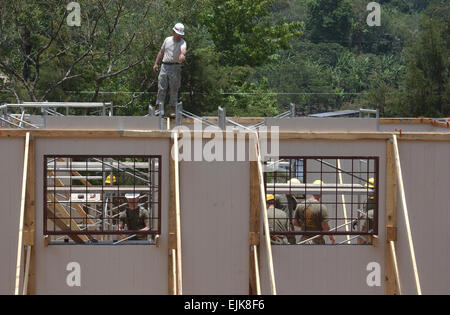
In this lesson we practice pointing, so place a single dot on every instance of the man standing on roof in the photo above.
(312, 216)
(173, 54)
(135, 217)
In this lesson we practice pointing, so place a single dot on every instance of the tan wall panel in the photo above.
(426, 175)
(215, 203)
(323, 124)
(11, 168)
(327, 269)
(93, 122)
(104, 269)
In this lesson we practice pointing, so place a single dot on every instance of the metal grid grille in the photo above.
(102, 198)
(324, 199)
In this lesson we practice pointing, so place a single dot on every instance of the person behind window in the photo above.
(312, 216)
(366, 218)
(135, 217)
(278, 221)
(288, 203)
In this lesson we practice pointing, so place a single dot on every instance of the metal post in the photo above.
(44, 116)
(222, 118)
(6, 115)
(378, 119)
(292, 110)
(151, 111)
(179, 114)
(111, 113)
(161, 116)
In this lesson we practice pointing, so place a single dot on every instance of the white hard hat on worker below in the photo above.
(132, 196)
(179, 29)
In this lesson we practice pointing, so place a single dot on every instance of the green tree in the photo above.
(426, 85)
(243, 33)
(252, 99)
(329, 20)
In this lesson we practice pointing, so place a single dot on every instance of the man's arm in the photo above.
(326, 228)
(146, 216)
(183, 53)
(297, 215)
(158, 59)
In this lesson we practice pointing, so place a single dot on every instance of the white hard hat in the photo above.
(179, 29)
(132, 196)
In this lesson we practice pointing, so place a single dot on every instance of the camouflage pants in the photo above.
(169, 79)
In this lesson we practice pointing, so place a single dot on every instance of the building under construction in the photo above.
(66, 179)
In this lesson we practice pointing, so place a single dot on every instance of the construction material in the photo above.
(256, 266)
(324, 189)
(406, 215)
(344, 206)
(172, 272)
(257, 151)
(27, 271)
(395, 264)
(392, 286)
(175, 216)
(22, 214)
(254, 229)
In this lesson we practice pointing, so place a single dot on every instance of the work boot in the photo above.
(174, 109)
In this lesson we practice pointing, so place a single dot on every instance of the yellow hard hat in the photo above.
(371, 183)
(108, 179)
(270, 197)
(294, 181)
(318, 182)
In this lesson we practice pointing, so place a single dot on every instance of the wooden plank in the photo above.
(177, 215)
(22, 214)
(260, 177)
(172, 228)
(172, 272)
(432, 137)
(27, 270)
(86, 134)
(77, 207)
(30, 224)
(405, 121)
(67, 224)
(391, 287)
(285, 135)
(254, 237)
(163, 134)
(395, 264)
(256, 267)
(406, 215)
(79, 239)
(98, 189)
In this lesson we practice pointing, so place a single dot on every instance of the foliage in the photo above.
(252, 57)
(243, 34)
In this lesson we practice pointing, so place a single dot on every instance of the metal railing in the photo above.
(9, 119)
